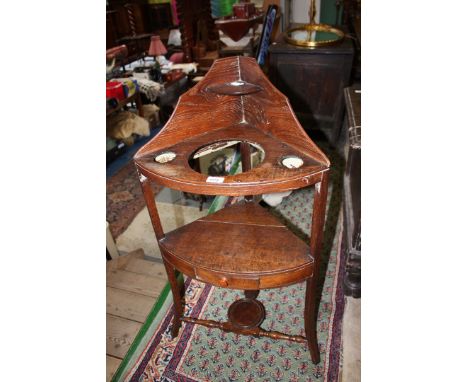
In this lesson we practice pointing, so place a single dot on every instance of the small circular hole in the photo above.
(291, 161)
(165, 157)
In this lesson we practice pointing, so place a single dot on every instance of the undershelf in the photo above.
(242, 240)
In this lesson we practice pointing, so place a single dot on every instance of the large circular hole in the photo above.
(223, 157)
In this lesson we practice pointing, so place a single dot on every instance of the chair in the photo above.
(242, 246)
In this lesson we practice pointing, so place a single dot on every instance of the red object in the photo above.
(174, 75)
(243, 10)
(177, 58)
(175, 16)
(236, 28)
(156, 48)
(114, 89)
(118, 52)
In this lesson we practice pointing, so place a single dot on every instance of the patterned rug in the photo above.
(204, 354)
(124, 199)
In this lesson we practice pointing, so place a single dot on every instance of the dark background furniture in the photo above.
(352, 20)
(313, 80)
(168, 99)
(351, 242)
(160, 15)
(189, 13)
(132, 22)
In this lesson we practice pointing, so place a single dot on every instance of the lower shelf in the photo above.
(240, 247)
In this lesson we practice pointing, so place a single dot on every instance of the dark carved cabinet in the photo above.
(133, 22)
(313, 80)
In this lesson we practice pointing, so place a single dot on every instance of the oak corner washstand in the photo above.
(241, 246)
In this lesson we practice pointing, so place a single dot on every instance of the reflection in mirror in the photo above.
(218, 158)
(314, 36)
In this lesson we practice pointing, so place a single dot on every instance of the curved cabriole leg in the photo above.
(177, 290)
(181, 284)
(176, 295)
(310, 320)
(316, 238)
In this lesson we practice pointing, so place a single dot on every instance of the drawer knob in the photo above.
(224, 282)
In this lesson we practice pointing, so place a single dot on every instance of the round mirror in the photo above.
(312, 35)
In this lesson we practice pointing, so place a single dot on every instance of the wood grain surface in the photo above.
(135, 282)
(204, 116)
(241, 239)
(120, 335)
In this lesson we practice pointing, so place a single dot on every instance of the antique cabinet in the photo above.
(313, 79)
(242, 246)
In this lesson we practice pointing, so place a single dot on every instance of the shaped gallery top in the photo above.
(234, 102)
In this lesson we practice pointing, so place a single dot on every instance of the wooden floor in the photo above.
(133, 286)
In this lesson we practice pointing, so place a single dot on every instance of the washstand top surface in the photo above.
(234, 102)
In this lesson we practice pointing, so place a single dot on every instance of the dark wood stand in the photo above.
(189, 13)
(241, 246)
(313, 79)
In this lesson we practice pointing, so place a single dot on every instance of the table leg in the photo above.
(139, 105)
(177, 297)
(310, 320)
(316, 238)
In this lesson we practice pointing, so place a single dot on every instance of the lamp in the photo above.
(157, 49)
